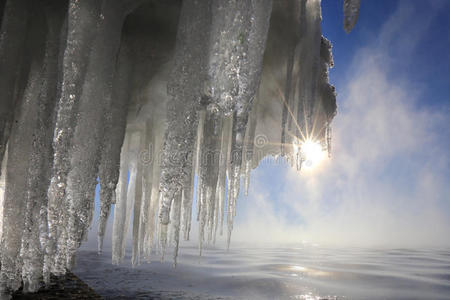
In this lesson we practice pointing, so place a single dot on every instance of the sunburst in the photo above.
(308, 151)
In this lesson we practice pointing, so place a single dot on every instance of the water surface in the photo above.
(305, 272)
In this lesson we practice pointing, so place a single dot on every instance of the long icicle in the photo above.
(21, 149)
(138, 199)
(34, 242)
(120, 203)
(147, 178)
(188, 73)
(13, 32)
(82, 17)
(251, 71)
(95, 97)
(112, 143)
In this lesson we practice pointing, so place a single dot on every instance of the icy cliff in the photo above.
(146, 96)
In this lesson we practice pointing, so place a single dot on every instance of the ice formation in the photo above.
(147, 96)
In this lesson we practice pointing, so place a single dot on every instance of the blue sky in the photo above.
(422, 25)
(387, 181)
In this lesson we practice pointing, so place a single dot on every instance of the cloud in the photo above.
(386, 183)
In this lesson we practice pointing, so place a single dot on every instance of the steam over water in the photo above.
(303, 272)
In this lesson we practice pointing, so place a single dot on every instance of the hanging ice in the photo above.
(147, 97)
(351, 13)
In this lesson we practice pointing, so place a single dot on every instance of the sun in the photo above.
(312, 154)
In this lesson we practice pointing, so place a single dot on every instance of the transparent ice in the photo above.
(198, 91)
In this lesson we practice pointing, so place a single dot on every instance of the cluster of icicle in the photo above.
(147, 96)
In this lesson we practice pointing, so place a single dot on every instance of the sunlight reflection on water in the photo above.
(275, 273)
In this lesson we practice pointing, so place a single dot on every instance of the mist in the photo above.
(385, 184)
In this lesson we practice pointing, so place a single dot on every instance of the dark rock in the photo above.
(63, 287)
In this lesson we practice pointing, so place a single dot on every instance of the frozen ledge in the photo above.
(62, 287)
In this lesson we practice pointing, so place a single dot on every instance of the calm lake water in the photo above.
(311, 272)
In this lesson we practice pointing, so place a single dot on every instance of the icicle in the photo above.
(215, 217)
(224, 167)
(208, 172)
(188, 190)
(137, 200)
(131, 193)
(21, 148)
(27, 173)
(309, 63)
(221, 180)
(299, 36)
(13, 65)
(235, 68)
(162, 234)
(228, 51)
(188, 196)
(249, 147)
(187, 209)
(2, 188)
(185, 88)
(351, 13)
(145, 158)
(251, 71)
(328, 137)
(292, 20)
(34, 242)
(89, 131)
(198, 159)
(123, 202)
(176, 225)
(153, 208)
(112, 143)
(82, 18)
(120, 204)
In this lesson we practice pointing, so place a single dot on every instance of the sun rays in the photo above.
(308, 149)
